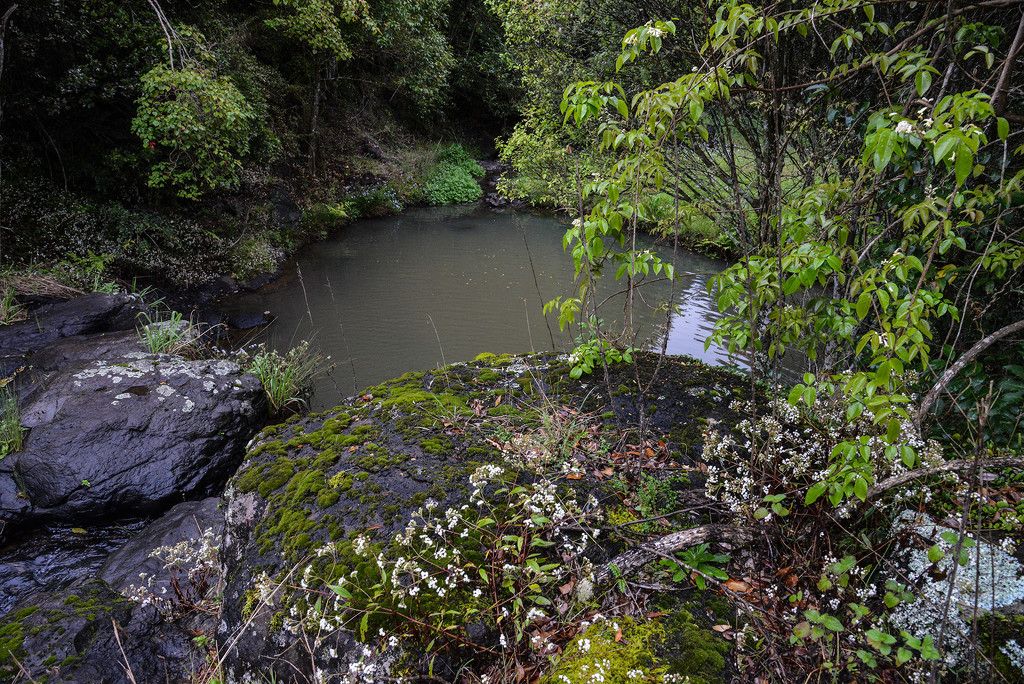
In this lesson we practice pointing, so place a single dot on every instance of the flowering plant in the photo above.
(479, 576)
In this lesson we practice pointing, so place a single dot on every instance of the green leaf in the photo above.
(1002, 128)
(863, 305)
(833, 623)
(892, 432)
(815, 492)
(935, 554)
(860, 488)
(922, 82)
(964, 162)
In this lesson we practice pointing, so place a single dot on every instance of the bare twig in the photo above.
(127, 666)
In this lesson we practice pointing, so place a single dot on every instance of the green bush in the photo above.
(458, 155)
(254, 255)
(322, 218)
(451, 184)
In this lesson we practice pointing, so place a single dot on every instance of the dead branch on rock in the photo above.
(947, 467)
(628, 561)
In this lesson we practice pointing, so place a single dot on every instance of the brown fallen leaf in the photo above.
(721, 628)
(567, 587)
(738, 586)
(573, 476)
(618, 636)
(609, 471)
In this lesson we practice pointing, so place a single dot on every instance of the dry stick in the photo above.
(1007, 462)
(632, 559)
(979, 346)
(536, 285)
(127, 665)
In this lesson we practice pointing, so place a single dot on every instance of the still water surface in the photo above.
(434, 286)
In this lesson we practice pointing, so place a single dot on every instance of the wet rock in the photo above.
(68, 636)
(92, 313)
(128, 436)
(55, 557)
(185, 522)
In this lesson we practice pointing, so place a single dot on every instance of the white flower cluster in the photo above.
(193, 563)
(796, 450)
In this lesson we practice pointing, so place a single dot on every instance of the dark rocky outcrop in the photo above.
(307, 487)
(68, 636)
(89, 314)
(184, 522)
(128, 436)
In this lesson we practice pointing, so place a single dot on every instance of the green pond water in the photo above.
(435, 286)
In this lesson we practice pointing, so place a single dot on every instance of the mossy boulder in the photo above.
(308, 488)
(624, 650)
(68, 636)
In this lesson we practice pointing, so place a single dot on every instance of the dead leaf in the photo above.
(721, 628)
(566, 588)
(498, 400)
(609, 471)
(618, 636)
(598, 475)
(738, 586)
(573, 476)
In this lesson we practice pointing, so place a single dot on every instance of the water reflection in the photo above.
(433, 286)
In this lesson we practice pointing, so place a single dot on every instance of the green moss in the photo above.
(488, 376)
(266, 477)
(12, 636)
(437, 445)
(596, 652)
(327, 498)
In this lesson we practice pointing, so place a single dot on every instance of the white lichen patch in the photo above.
(164, 390)
(990, 579)
(187, 408)
(209, 386)
(124, 395)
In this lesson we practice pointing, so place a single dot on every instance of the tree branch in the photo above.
(968, 356)
(999, 95)
(628, 561)
(947, 467)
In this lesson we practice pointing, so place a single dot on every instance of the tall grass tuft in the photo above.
(288, 379)
(11, 432)
(171, 335)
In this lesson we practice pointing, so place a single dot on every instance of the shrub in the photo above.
(254, 255)
(451, 184)
(322, 218)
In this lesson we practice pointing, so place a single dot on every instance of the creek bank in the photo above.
(309, 488)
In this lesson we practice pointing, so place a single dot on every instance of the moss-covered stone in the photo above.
(994, 631)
